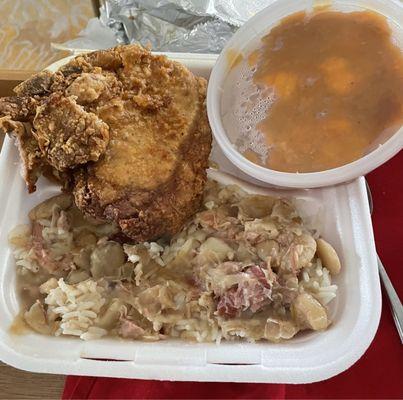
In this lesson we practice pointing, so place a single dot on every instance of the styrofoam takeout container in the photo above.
(245, 40)
(309, 357)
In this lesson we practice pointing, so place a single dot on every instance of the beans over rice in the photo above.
(245, 266)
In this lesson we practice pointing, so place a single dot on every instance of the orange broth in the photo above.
(338, 84)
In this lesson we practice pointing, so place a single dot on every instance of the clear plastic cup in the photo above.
(246, 39)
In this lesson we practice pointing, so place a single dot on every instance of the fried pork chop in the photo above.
(125, 130)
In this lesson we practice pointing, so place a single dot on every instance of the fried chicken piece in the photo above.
(150, 177)
(67, 135)
(39, 84)
(30, 154)
(152, 181)
(18, 108)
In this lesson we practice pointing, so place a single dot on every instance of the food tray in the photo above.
(306, 358)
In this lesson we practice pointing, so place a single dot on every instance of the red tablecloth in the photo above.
(378, 374)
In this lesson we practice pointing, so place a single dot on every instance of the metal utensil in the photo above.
(395, 303)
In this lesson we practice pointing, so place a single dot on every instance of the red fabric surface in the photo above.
(378, 374)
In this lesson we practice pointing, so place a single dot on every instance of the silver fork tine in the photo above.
(395, 304)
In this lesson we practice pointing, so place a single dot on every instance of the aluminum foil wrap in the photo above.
(195, 26)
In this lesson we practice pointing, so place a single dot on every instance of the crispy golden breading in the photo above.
(18, 108)
(67, 134)
(28, 148)
(150, 176)
(94, 87)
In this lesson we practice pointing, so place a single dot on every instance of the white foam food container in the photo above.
(243, 42)
(309, 357)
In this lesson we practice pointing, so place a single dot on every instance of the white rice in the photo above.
(23, 253)
(317, 281)
(78, 306)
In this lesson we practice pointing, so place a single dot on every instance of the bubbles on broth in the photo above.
(321, 114)
(250, 107)
(278, 44)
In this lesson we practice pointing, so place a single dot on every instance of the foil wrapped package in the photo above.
(194, 26)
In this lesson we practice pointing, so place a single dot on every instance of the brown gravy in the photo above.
(338, 81)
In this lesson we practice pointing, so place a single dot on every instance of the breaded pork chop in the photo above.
(127, 129)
